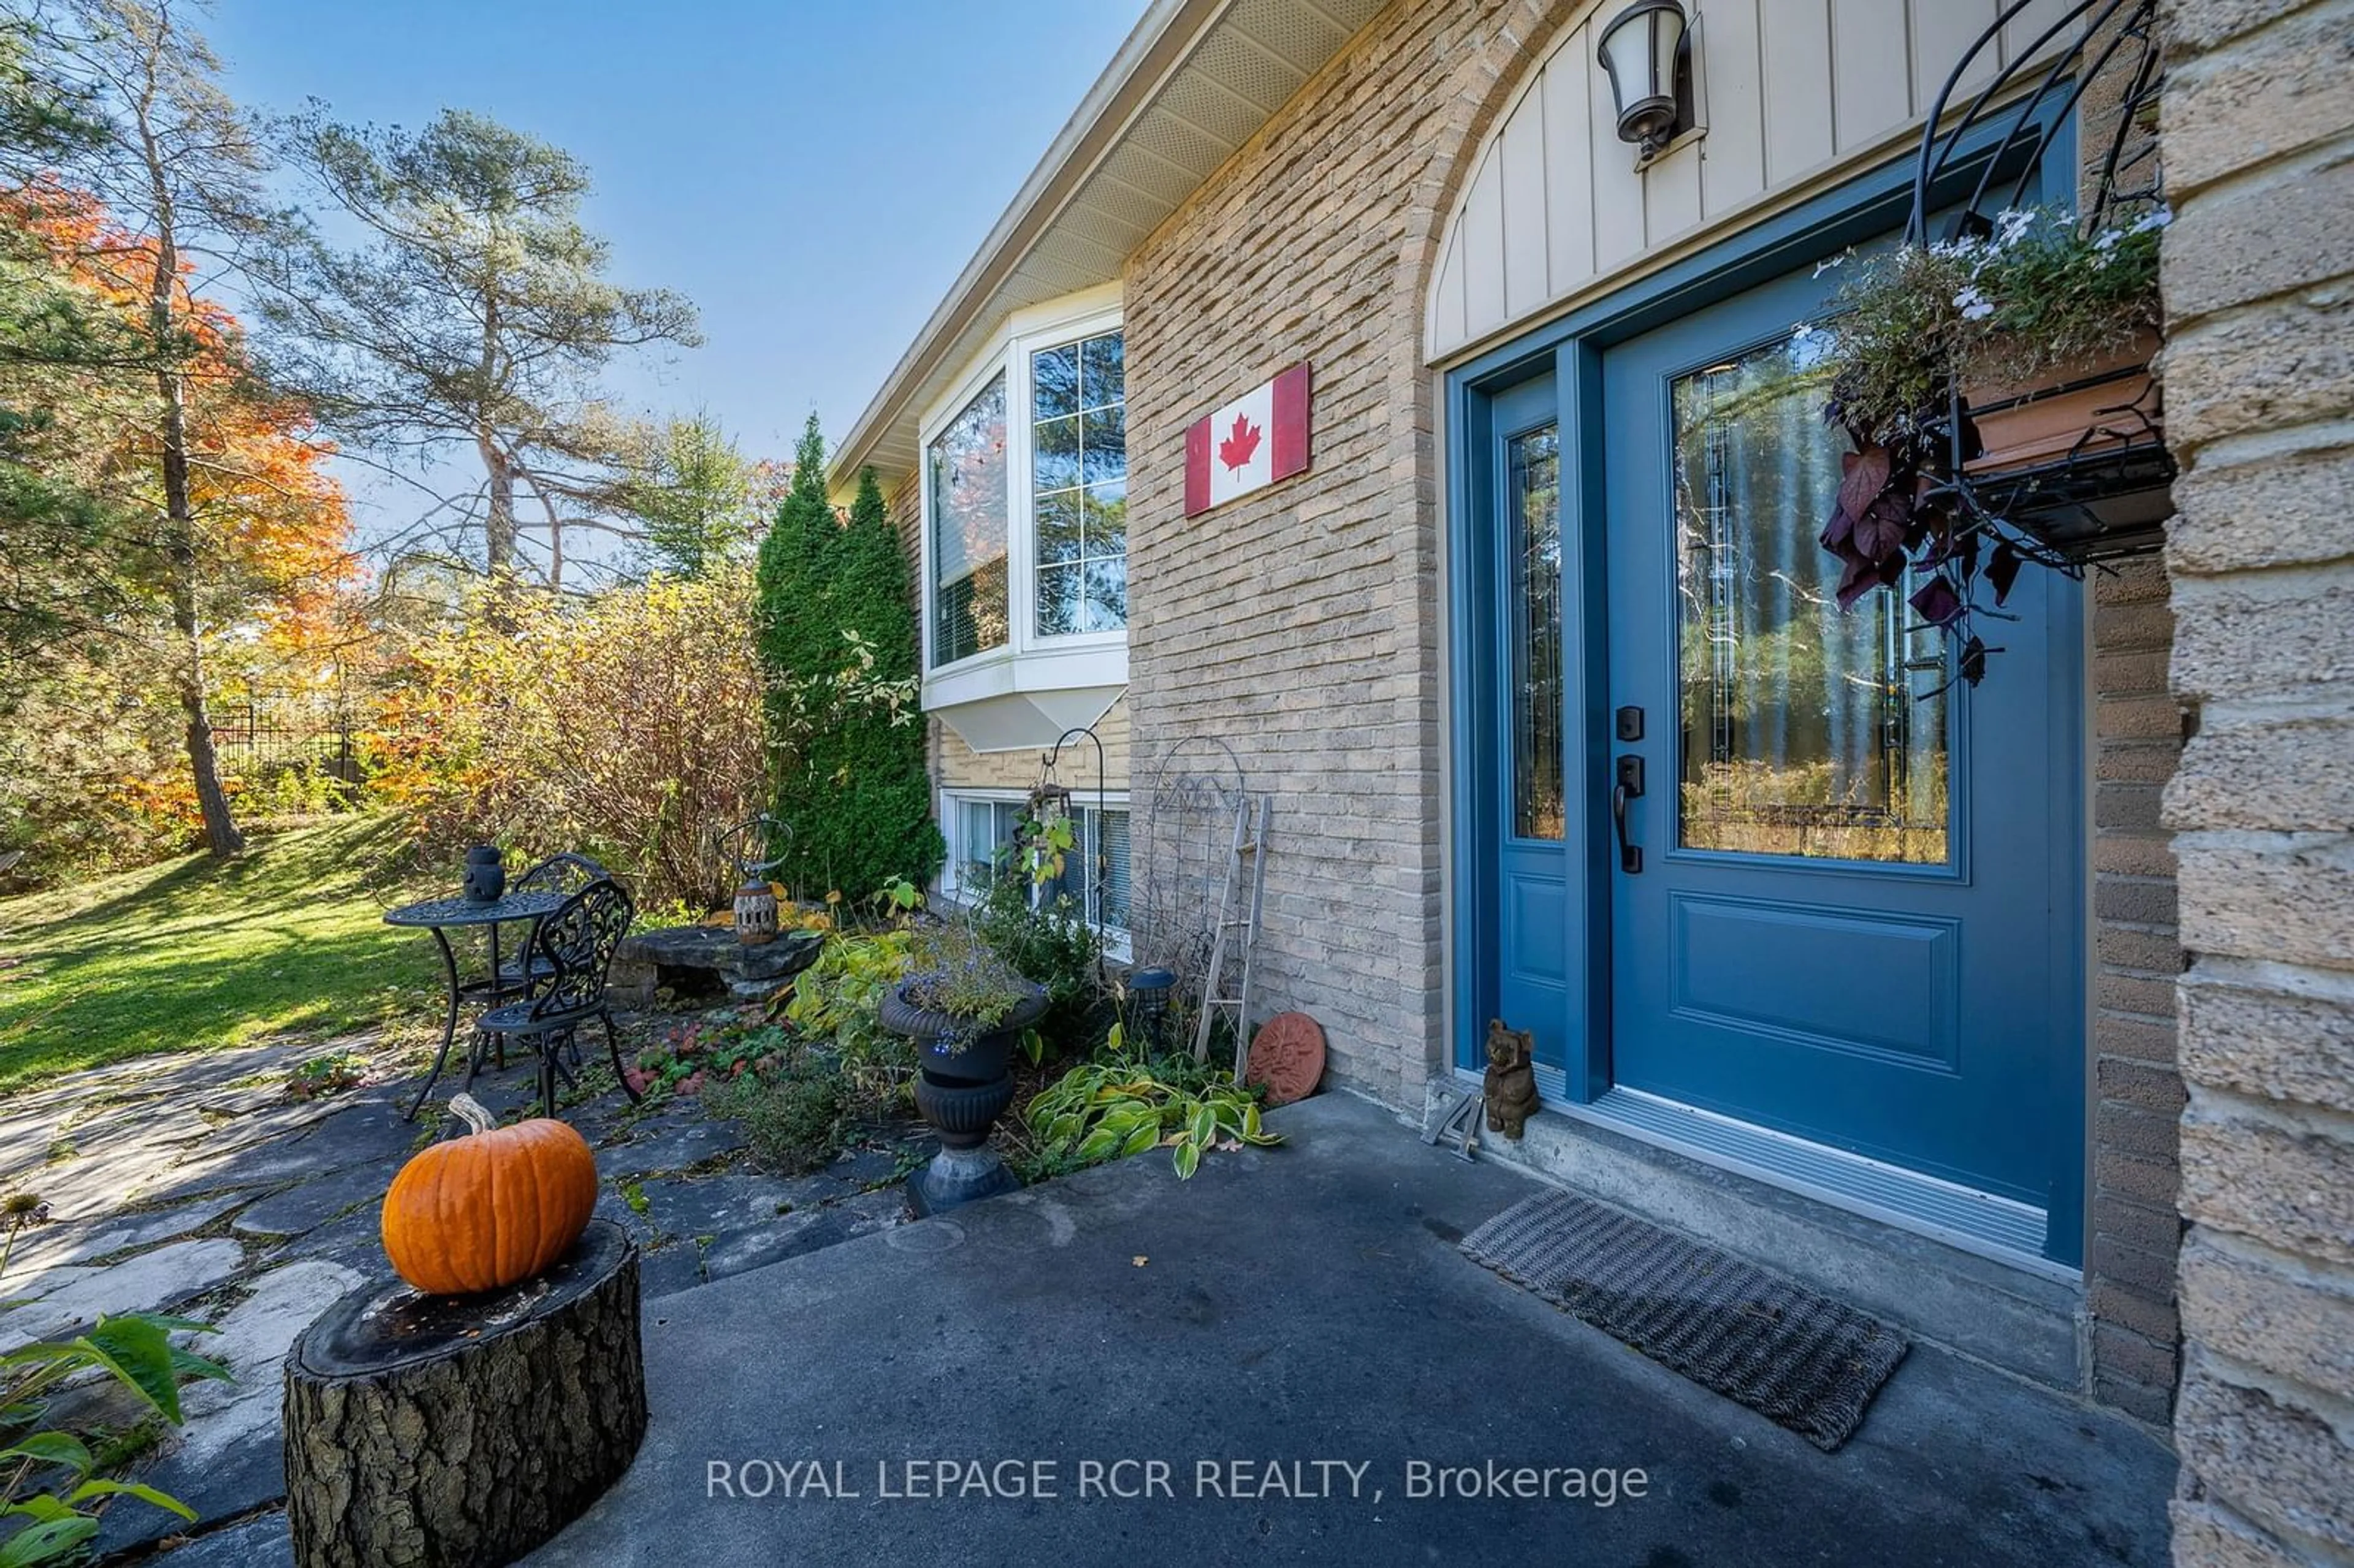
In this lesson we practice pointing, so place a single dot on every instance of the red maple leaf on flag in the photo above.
(1235, 450)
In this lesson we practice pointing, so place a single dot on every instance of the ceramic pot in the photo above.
(486, 873)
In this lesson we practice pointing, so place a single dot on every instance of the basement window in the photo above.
(980, 828)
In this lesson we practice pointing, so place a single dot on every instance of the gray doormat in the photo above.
(1800, 1359)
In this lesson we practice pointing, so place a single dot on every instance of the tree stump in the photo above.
(465, 1429)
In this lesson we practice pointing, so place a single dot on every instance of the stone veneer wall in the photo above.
(2258, 133)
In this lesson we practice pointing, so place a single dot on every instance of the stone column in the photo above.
(2258, 138)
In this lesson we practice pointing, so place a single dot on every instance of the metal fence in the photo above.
(258, 732)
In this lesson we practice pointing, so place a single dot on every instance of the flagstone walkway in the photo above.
(200, 1186)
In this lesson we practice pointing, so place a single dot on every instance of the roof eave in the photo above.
(1156, 46)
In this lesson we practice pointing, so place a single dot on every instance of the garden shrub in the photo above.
(838, 643)
(1051, 943)
(794, 1114)
(626, 727)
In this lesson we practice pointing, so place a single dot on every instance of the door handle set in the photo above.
(1629, 788)
(1627, 724)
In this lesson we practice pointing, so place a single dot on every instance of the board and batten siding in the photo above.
(1790, 90)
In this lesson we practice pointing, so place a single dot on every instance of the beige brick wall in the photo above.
(2134, 1234)
(1300, 627)
(2258, 132)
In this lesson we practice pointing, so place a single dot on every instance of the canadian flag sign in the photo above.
(1258, 439)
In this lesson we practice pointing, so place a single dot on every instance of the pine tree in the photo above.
(851, 785)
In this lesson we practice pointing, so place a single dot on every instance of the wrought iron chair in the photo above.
(571, 952)
(566, 873)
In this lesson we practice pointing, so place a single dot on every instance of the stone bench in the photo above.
(698, 960)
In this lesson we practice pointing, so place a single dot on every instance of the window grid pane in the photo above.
(1079, 481)
(1096, 874)
(970, 534)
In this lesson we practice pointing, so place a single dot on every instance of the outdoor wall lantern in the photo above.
(1647, 50)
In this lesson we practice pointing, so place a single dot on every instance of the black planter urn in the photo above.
(963, 1087)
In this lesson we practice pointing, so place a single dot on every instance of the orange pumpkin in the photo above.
(489, 1209)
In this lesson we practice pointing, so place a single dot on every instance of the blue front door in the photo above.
(1844, 907)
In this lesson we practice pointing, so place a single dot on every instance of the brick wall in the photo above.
(1300, 627)
(2133, 1238)
(2258, 132)
(2136, 960)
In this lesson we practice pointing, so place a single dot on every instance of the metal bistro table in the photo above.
(442, 916)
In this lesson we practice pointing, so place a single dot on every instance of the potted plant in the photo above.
(1997, 391)
(964, 1008)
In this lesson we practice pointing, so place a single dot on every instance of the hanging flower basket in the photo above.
(2078, 464)
(1999, 384)
(1997, 390)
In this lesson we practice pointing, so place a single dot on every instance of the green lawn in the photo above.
(196, 954)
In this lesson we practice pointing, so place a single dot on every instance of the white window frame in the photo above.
(949, 888)
(1027, 661)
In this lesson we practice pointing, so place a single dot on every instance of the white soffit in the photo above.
(1195, 80)
(1027, 721)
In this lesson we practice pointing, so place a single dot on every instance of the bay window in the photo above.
(969, 532)
(1078, 469)
(1026, 502)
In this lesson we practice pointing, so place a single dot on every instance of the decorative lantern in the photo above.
(1148, 991)
(486, 873)
(1643, 49)
(756, 897)
(755, 913)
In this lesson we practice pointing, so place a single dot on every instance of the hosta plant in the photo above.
(1120, 1104)
(46, 1477)
(1920, 330)
(837, 997)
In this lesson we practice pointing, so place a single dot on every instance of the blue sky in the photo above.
(813, 173)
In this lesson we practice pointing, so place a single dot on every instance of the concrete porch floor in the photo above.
(1304, 1303)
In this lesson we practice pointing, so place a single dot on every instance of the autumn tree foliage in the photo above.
(212, 537)
(172, 176)
(626, 724)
